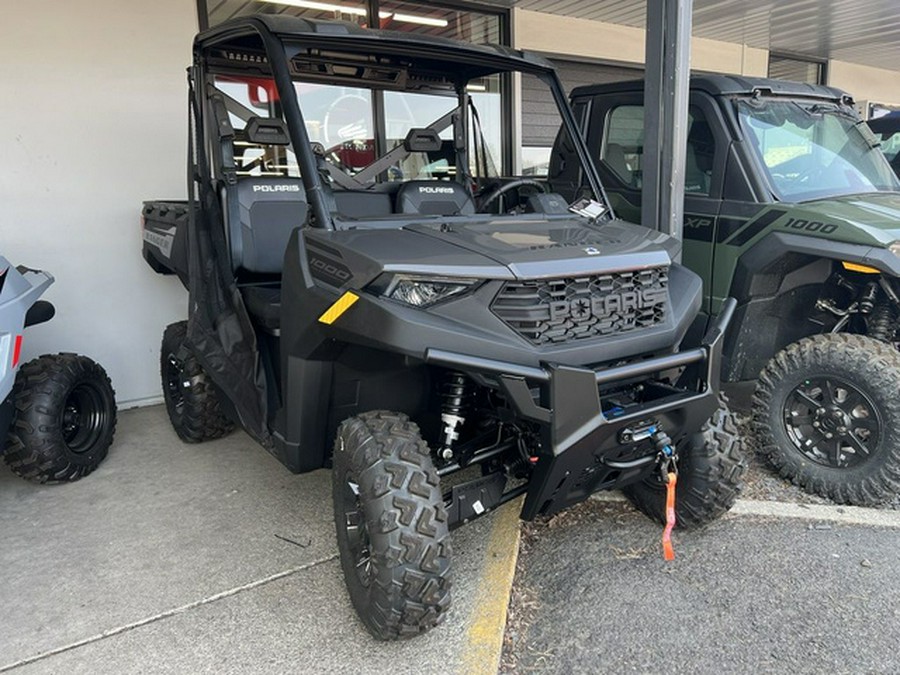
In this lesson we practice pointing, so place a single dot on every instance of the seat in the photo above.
(265, 211)
(434, 198)
(615, 160)
(268, 210)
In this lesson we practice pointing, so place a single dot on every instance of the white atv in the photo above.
(59, 409)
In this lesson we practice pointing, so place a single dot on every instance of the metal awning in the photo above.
(859, 31)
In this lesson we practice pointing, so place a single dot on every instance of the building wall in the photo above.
(865, 83)
(573, 37)
(94, 122)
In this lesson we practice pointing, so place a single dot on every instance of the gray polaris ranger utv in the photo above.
(368, 292)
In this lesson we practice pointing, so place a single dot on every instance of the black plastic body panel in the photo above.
(165, 237)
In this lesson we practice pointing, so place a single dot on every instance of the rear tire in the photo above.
(391, 524)
(191, 400)
(711, 467)
(838, 384)
(64, 419)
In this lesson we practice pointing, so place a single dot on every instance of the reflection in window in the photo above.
(345, 10)
(416, 17)
(421, 17)
(814, 151)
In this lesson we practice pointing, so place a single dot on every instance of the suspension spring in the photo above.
(881, 322)
(456, 394)
(867, 298)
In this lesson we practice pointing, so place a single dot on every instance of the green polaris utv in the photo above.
(790, 207)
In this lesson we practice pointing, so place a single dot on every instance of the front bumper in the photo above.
(586, 440)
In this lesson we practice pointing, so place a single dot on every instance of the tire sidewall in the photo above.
(854, 365)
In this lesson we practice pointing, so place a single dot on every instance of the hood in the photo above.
(871, 218)
(502, 248)
(541, 248)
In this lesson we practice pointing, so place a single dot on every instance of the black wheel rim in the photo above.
(357, 533)
(85, 417)
(832, 422)
(175, 383)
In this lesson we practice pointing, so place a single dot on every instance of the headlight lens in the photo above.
(426, 291)
(895, 248)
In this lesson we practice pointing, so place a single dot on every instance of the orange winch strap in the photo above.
(668, 551)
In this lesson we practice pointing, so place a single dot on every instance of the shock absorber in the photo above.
(455, 394)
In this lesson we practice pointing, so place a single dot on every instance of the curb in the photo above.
(483, 644)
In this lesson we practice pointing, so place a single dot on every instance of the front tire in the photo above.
(64, 419)
(711, 467)
(191, 400)
(827, 415)
(391, 524)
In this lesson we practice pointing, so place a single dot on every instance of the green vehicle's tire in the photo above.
(827, 414)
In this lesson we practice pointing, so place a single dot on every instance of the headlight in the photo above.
(425, 291)
(895, 248)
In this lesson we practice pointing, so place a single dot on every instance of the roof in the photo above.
(350, 36)
(726, 85)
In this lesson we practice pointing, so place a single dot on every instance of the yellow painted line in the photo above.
(483, 645)
(856, 267)
(341, 305)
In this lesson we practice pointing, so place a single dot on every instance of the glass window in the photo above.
(796, 70)
(344, 10)
(890, 145)
(418, 17)
(246, 99)
(815, 150)
(425, 18)
(623, 143)
(622, 150)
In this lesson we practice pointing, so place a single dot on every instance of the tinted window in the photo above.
(622, 150)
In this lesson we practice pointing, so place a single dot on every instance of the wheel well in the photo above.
(776, 306)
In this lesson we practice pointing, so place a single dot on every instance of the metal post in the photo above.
(666, 88)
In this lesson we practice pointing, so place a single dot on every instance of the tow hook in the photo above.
(667, 457)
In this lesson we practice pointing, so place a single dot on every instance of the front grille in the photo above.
(553, 311)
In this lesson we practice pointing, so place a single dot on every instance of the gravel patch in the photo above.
(761, 483)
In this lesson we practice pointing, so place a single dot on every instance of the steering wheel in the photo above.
(498, 192)
(347, 118)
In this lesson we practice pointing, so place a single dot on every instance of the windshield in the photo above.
(814, 150)
(395, 138)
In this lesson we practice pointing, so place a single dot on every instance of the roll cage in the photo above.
(293, 48)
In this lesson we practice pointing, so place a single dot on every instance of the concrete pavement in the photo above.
(205, 558)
